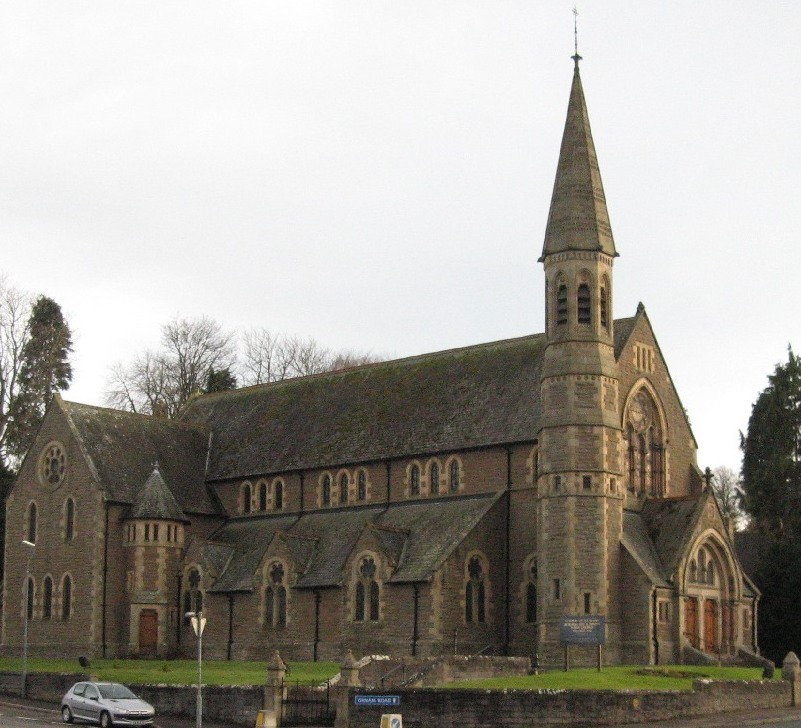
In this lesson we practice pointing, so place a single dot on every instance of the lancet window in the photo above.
(475, 592)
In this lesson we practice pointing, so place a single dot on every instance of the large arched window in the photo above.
(414, 480)
(367, 592)
(275, 597)
(32, 518)
(433, 477)
(66, 597)
(475, 592)
(69, 519)
(47, 598)
(646, 456)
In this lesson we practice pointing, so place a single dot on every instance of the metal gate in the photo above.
(307, 704)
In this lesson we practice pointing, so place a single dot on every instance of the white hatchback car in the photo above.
(107, 704)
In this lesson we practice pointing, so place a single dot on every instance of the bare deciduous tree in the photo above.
(727, 486)
(15, 310)
(162, 382)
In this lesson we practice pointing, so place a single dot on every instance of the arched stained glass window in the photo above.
(434, 478)
(66, 597)
(326, 490)
(47, 598)
(414, 480)
(343, 488)
(362, 481)
(454, 476)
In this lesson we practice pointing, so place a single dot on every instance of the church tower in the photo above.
(580, 477)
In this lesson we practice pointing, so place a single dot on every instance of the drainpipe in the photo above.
(302, 482)
(317, 599)
(230, 624)
(508, 566)
(654, 626)
(414, 623)
(179, 621)
(105, 586)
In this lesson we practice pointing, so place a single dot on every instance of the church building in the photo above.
(460, 501)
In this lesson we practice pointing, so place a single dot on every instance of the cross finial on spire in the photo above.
(576, 57)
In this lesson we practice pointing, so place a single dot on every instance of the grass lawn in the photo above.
(678, 677)
(178, 672)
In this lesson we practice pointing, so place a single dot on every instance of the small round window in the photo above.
(52, 464)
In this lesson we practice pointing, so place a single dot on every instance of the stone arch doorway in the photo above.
(148, 632)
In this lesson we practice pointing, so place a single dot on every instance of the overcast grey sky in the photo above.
(377, 175)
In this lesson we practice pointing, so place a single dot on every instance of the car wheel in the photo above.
(105, 720)
(66, 714)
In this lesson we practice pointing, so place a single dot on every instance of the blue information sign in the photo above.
(583, 629)
(381, 701)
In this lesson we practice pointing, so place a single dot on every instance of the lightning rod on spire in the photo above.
(576, 57)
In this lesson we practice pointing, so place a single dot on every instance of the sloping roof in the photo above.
(578, 218)
(123, 448)
(416, 536)
(471, 397)
(638, 543)
(156, 501)
(247, 540)
(670, 522)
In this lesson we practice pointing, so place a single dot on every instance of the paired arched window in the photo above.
(475, 592)
(702, 571)
(275, 597)
(278, 495)
(262, 496)
(367, 593)
(343, 488)
(32, 518)
(193, 596)
(66, 597)
(69, 519)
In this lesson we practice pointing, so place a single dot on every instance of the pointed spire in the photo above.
(156, 501)
(578, 219)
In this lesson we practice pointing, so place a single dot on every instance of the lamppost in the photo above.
(198, 624)
(30, 548)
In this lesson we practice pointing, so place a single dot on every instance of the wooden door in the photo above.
(691, 620)
(710, 625)
(148, 631)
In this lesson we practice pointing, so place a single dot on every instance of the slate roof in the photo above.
(476, 396)
(122, 447)
(669, 522)
(638, 543)
(417, 537)
(155, 500)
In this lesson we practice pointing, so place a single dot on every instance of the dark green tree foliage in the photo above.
(772, 453)
(220, 380)
(45, 370)
(772, 489)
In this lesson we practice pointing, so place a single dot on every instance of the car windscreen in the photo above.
(115, 691)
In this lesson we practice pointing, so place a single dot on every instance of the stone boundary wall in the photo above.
(236, 705)
(455, 708)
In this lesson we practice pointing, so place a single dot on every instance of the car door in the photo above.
(76, 701)
(92, 702)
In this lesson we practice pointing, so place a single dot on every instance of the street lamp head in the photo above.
(189, 615)
(29, 544)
